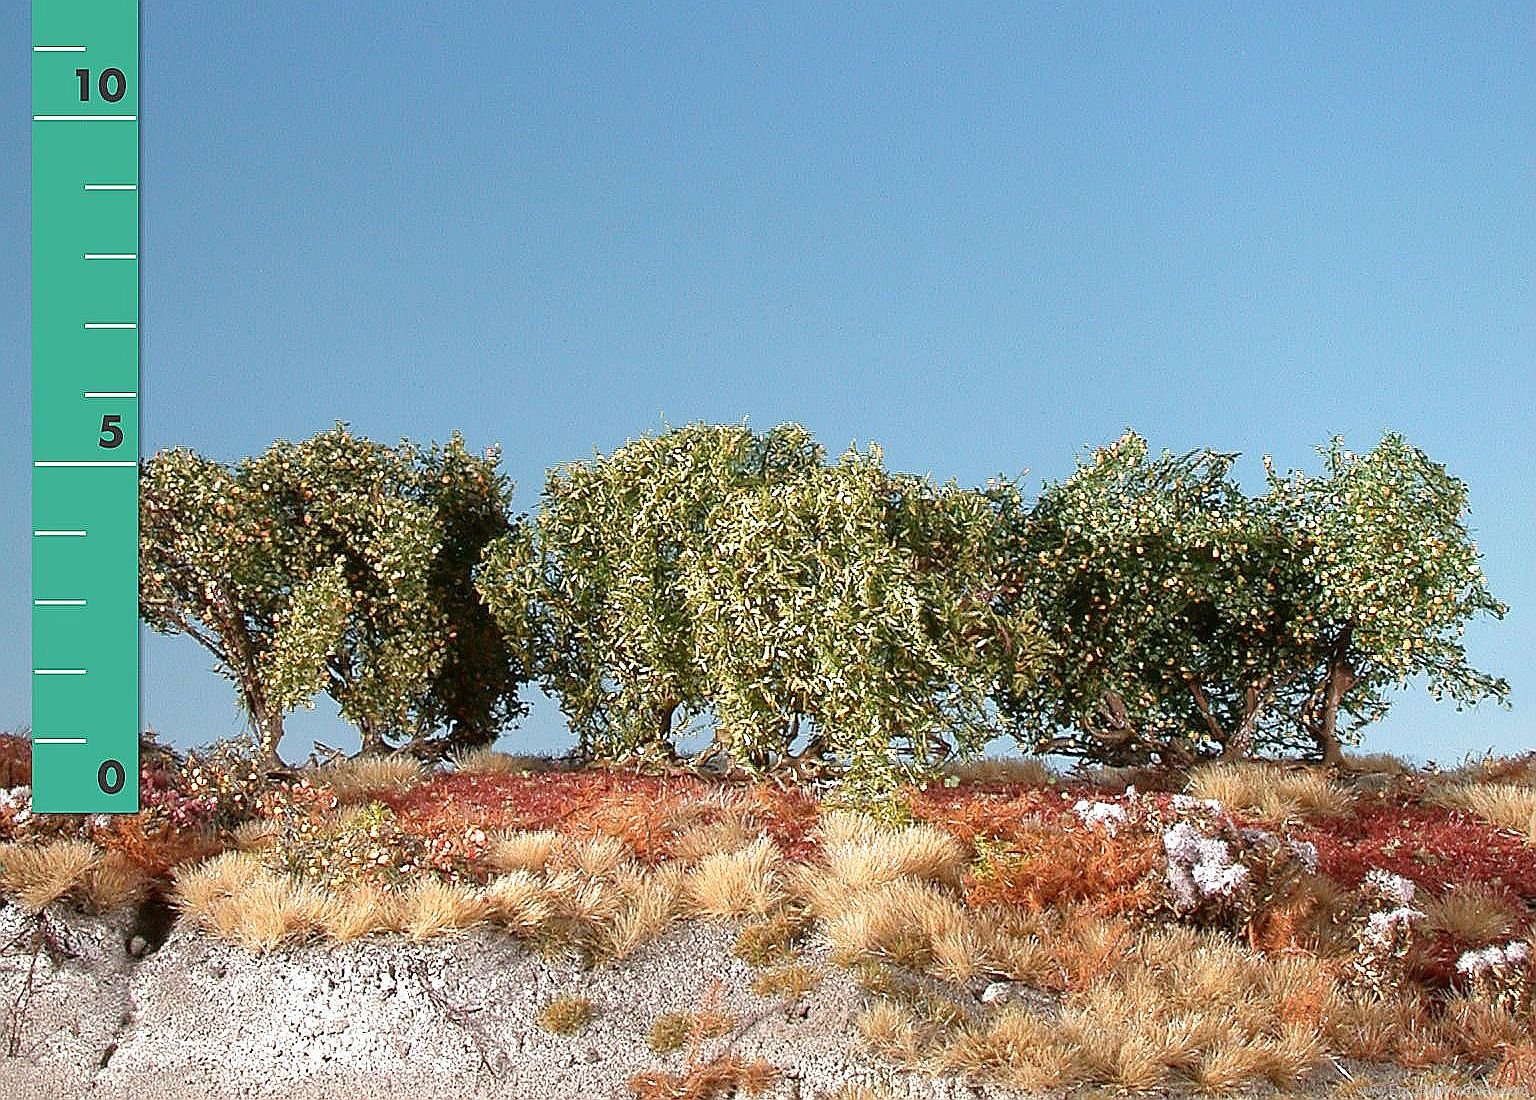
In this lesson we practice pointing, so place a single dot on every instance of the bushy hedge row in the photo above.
(827, 615)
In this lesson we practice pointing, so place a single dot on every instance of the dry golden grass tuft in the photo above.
(960, 954)
(197, 888)
(892, 1031)
(1479, 1029)
(1115, 1051)
(1375, 1030)
(652, 901)
(1021, 958)
(360, 910)
(431, 907)
(860, 855)
(1029, 1053)
(1471, 912)
(1143, 1008)
(267, 913)
(517, 900)
(236, 898)
(1498, 769)
(1376, 763)
(696, 841)
(37, 875)
(1302, 989)
(522, 850)
(579, 905)
(1270, 792)
(113, 882)
(1216, 972)
(487, 761)
(897, 923)
(1292, 1055)
(600, 856)
(1012, 1044)
(1509, 806)
(1006, 771)
(747, 882)
(1229, 1065)
(566, 1015)
(360, 778)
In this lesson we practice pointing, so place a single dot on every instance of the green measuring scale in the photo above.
(85, 406)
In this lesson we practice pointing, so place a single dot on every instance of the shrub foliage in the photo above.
(336, 565)
(1191, 620)
(835, 617)
(862, 602)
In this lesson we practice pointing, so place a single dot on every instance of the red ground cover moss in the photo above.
(634, 808)
(1433, 846)
(791, 817)
(15, 760)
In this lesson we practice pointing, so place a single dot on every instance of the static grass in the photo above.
(993, 884)
(1510, 806)
(669, 1033)
(488, 761)
(66, 870)
(746, 882)
(672, 1031)
(360, 778)
(1270, 792)
(789, 983)
(567, 1015)
(772, 939)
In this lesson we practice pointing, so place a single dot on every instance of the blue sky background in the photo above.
(985, 236)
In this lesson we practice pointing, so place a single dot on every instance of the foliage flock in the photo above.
(341, 566)
(826, 617)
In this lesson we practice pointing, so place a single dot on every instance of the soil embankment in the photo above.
(391, 1018)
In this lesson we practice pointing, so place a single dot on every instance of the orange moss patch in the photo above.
(1001, 814)
(157, 851)
(726, 1076)
(1054, 868)
(791, 816)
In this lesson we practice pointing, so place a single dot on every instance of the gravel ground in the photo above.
(387, 1020)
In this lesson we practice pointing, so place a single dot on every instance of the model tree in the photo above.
(211, 567)
(1157, 582)
(601, 578)
(1391, 578)
(853, 606)
(343, 566)
(1190, 620)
